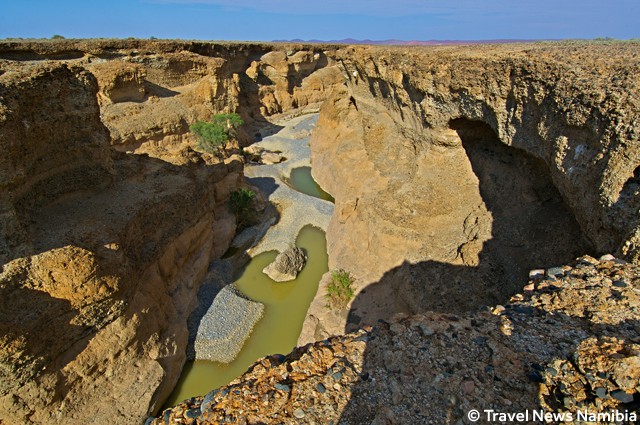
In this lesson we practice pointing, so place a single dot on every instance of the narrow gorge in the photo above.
(455, 172)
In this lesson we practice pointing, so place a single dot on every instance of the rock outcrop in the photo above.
(49, 150)
(287, 265)
(459, 169)
(151, 91)
(102, 255)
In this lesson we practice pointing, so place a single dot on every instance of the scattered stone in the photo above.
(535, 376)
(299, 413)
(622, 396)
(551, 371)
(537, 273)
(282, 387)
(208, 400)
(575, 351)
(287, 265)
(619, 284)
(601, 392)
(607, 257)
(468, 386)
(555, 271)
(588, 260)
(270, 158)
(192, 413)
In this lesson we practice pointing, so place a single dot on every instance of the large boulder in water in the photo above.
(287, 265)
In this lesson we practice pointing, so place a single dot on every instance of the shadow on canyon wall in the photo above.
(227, 269)
(531, 228)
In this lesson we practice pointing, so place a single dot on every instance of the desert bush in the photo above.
(213, 135)
(340, 289)
(57, 37)
(241, 204)
(241, 199)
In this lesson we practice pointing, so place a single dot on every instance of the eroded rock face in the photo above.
(49, 149)
(458, 170)
(94, 299)
(454, 171)
(151, 91)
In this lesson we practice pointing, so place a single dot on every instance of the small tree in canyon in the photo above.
(213, 135)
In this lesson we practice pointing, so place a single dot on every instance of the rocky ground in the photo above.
(568, 343)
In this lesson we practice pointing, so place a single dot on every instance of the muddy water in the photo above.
(302, 181)
(286, 305)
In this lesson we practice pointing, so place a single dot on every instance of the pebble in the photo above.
(555, 271)
(622, 396)
(536, 273)
(208, 400)
(601, 392)
(607, 257)
(282, 387)
(535, 376)
(619, 284)
(468, 386)
(299, 413)
(192, 413)
(321, 388)
(426, 330)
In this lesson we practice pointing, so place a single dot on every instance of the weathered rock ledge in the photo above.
(456, 170)
(101, 255)
(567, 343)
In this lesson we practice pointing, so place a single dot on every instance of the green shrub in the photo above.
(241, 204)
(213, 135)
(340, 289)
(57, 37)
(241, 199)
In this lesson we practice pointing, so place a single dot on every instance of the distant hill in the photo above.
(406, 42)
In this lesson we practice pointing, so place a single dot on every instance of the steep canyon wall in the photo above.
(103, 252)
(457, 170)
(454, 169)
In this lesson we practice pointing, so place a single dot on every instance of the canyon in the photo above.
(455, 171)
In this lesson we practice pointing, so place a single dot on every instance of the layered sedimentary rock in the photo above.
(102, 256)
(456, 170)
(107, 251)
(150, 92)
(48, 150)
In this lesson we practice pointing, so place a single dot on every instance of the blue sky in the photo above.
(325, 19)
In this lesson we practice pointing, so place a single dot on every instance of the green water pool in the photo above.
(302, 181)
(286, 306)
